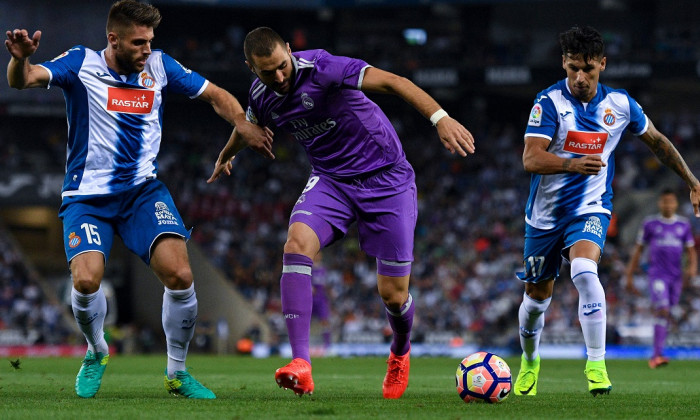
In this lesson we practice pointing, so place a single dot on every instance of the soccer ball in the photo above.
(483, 377)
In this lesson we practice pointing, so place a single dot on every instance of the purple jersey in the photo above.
(666, 239)
(343, 132)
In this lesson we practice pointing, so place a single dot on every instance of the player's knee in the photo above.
(296, 245)
(85, 282)
(539, 291)
(394, 299)
(177, 279)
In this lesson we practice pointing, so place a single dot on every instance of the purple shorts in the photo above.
(384, 204)
(664, 292)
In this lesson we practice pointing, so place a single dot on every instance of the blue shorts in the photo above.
(544, 249)
(138, 215)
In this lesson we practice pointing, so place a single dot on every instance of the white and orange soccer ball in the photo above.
(483, 377)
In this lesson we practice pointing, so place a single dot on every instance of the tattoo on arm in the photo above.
(565, 166)
(669, 156)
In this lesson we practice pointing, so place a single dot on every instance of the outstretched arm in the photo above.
(228, 153)
(228, 107)
(453, 135)
(669, 156)
(20, 73)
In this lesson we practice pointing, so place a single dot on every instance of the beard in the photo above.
(128, 64)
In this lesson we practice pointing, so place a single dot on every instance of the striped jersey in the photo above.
(575, 129)
(115, 121)
(343, 132)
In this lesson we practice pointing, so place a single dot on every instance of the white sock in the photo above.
(591, 306)
(89, 311)
(531, 318)
(179, 316)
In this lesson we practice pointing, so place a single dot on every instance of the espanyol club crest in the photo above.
(307, 101)
(73, 240)
(609, 118)
(146, 81)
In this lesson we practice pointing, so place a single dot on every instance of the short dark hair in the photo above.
(261, 42)
(667, 191)
(584, 41)
(125, 13)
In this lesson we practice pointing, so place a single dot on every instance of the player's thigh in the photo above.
(324, 208)
(541, 254)
(386, 224)
(150, 215)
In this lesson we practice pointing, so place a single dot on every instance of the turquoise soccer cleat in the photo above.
(183, 384)
(89, 378)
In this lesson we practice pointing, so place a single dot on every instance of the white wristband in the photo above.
(437, 116)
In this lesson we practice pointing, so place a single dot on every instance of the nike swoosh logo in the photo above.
(594, 382)
(591, 312)
(523, 335)
(564, 114)
(101, 74)
(504, 393)
(528, 390)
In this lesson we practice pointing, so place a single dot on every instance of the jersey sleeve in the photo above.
(63, 70)
(542, 121)
(644, 234)
(253, 114)
(638, 120)
(183, 80)
(339, 72)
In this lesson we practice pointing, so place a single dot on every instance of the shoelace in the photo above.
(396, 370)
(91, 366)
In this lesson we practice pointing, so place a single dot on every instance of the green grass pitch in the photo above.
(346, 388)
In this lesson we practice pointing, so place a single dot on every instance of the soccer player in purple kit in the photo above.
(668, 237)
(360, 174)
(114, 104)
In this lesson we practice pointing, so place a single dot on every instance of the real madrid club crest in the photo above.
(307, 101)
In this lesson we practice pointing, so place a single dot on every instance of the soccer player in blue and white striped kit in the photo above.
(573, 130)
(114, 104)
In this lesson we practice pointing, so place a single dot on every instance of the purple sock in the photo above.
(295, 288)
(326, 334)
(660, 332)
(401, 323)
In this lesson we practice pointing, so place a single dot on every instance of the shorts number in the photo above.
(534, 265)
(91, 233)
(310, 184)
